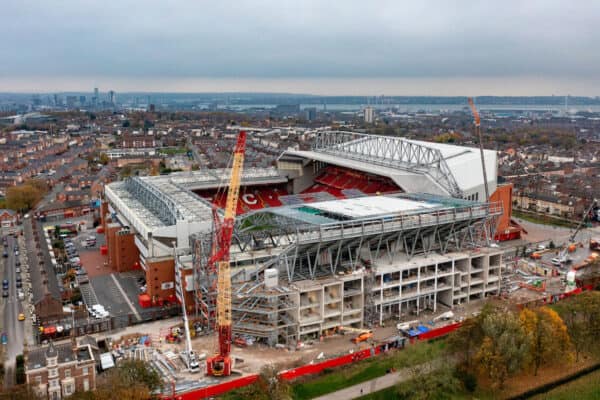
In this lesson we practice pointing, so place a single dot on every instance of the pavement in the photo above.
(377, 384)
(10, 310)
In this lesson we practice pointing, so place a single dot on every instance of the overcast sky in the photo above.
(504, 47)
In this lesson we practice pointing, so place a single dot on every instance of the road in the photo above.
(11, 309)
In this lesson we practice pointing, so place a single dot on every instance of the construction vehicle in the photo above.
(221, 363)
(571, 246)
(363, 334)
(188, 355)
(444, 316)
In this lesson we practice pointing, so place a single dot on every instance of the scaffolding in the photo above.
(267, 314)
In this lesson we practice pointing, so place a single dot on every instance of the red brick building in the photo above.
(59, 370)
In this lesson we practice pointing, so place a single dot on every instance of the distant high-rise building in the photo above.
(112, 98)
(57, 100)
(82, 100)
(369, 115)
(310, 113)
(71, 100)
(95, 98)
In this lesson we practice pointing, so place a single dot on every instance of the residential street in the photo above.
(11, 309)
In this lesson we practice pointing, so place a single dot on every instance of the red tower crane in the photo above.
(220, 364)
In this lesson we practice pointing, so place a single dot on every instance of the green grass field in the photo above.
(538, 219)
(366, 370)
(172, 150)
(584, 388)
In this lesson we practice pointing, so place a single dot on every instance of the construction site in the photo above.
(372, 236)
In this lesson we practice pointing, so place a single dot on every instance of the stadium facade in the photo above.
(358, 230)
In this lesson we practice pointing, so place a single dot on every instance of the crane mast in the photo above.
(220, 364)
(477, 121)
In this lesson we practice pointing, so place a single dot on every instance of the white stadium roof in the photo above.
(447, 169)
(364, 207)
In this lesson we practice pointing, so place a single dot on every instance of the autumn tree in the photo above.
(429, 381)
(504, 347)
(268, 386)
(130, 380)
(548, 337)
(23, 197)
(581, 315)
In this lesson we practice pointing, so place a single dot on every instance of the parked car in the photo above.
(5, 293)
(5, 284)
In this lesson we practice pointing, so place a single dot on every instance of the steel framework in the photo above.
(388, 151)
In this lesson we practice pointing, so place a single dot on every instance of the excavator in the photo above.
(221, 363)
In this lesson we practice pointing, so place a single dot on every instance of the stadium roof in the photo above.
(364, 207)
(153, 203)
(219, 177)
(448, 169)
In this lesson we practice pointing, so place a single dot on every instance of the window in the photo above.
(52, 373)
(86, 385)
(51, 362)
(68, 389)
(53, 383)
(84, 371)
(67, 373)
(38, 380)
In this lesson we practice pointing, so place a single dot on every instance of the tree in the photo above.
(581, 315)
(504, 348)
(23, 197)
(548, 337)
(104, 159)
(428, 382)
(130, 380)
(20, 392)
(269, 386)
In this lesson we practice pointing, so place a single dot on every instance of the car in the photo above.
(4, 254)
(21, 317)
(4, 338)
(16, 252)
(541, 247)
(19, 284)
(18, 270)
(5, 284)
(5, 293)
(18, 263)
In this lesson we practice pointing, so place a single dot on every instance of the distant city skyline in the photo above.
(515, 86)
(346, 47)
